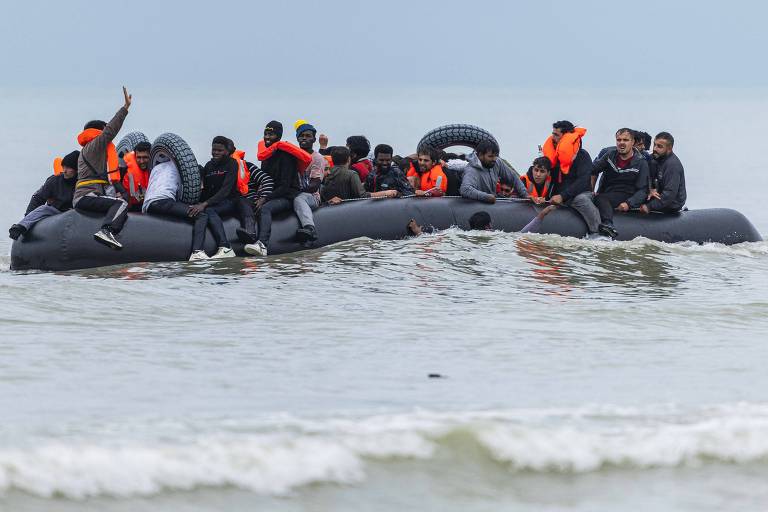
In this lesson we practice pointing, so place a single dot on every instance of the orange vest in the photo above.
(530, 186)
(57, 166)
(86, 136)
(565, 151)
(135, 180)
(243, 176)
(264, 152)
(429, 178)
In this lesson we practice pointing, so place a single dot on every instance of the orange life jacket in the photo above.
(530, 186)
(243, 176)
(565, 151)
(428, 180)
(135, 180)
(86, 136)
(265, 153)
(57, 169)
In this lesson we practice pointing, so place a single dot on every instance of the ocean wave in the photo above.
(275, 457)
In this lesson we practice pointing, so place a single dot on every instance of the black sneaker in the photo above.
(246, 237)
(16, 231)
(106, 237)
(305, 234)
(608, 230)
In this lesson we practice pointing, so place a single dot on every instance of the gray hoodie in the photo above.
(478, 183)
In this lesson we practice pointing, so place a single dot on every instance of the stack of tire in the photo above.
(168, 146)
(451, 135)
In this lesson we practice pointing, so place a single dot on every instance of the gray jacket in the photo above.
(478, 183)
(95, 153)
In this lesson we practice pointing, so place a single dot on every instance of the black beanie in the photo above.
(71, 160)
(275, 126)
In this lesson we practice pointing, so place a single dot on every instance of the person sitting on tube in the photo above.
(341, 182)
(667, 192)
(426, 175)
(386, 180)
(485, 171)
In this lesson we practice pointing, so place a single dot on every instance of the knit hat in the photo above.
(276, 127)
(70, 160)
(302, 126)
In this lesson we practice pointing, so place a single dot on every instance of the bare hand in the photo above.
(197, 209)
(335, 200)
(419, 193)
(556, 199)
(491, 199)
(393, 193)
(623, 207)
(644, 208)
(128, 97)
(323, 139)
(537, 200)
(654, 194)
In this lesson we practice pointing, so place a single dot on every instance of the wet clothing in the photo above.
(283, 168)
(344, 183)
(92, 164)
(629, 178)
(577, 180)
(479, 182)
(669, 177)
(57, 192)
(392, 179)
(219, 181)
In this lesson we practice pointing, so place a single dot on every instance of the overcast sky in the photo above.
(395, 42)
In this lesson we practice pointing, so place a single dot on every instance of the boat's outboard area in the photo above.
(65, 242)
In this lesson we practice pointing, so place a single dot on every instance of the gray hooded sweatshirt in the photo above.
(478, 183)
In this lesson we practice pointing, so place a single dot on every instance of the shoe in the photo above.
(246, 237)
(16, 231)
(223, 252)
(597, 237)
(256, 249)
(306, 234)
(107, 238)
(198, 255)
(608, 230)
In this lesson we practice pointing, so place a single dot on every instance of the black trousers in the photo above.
(178, 209)
(116, 209)
(606, 202)
(265, 216)
(226, 208)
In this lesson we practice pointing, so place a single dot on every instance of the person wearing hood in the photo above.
(484, 171)
(53, 198)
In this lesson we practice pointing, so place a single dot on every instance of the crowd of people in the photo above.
(636, 173)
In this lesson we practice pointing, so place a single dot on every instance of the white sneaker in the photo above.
(223, 252)
(597, 237)
(256, 249)
(198, 255)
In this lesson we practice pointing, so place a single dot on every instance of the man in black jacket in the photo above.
(54, 197)
(667, 176)
(386, 180)
(220, 195)
(624, 183)
(283, 168)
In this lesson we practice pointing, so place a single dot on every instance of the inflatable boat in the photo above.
(65, 242)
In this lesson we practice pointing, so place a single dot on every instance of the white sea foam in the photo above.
(275, 457)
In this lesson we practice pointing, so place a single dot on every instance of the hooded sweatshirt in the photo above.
(479, 182)
(57, 191)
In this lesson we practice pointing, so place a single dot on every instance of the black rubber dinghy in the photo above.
(65, 242)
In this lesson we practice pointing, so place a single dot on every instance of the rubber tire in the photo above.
(455, 135)
(171, 145)
(127, 143)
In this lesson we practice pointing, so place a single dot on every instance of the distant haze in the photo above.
(466, 43)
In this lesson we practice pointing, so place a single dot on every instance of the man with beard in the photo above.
(386, 180)
(624, 183)
(136, 174)
(668, 183)
(484, 171)
(426, 174)
(309, 183)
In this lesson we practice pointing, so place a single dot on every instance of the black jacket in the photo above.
(577, 180)
(283, 168)
(632, 181)
(219, 181)
(394, 179)
(56, 191)
(669, 177)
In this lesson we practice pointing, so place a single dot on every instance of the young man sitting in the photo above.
(427, 176)
(537, 181)
(359, 147)
(483, 173)
(309, 183)
(136, 175)
(341, 182)
(53, 198)
(386, 180)
(668, 184)
(624, 184)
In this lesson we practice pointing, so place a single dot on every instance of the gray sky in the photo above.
(395, 42)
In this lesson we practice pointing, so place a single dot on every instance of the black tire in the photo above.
(170, 145)
(455, 135)
(127, 143)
